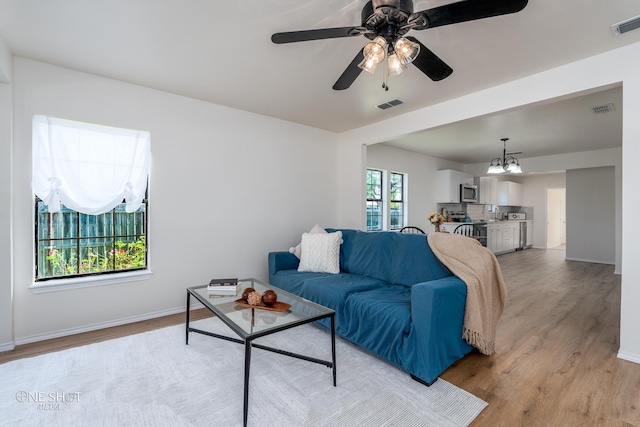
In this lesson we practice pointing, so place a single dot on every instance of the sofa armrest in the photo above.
(437, 317)
(281, 261)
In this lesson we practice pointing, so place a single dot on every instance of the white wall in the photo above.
(6, 62)
(590, 206)
(6, 257)
(421, 185)
(620, 66)
(6, 279)
(226, 188)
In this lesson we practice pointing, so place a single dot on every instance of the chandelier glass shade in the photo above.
(507, 163)
(402, 52)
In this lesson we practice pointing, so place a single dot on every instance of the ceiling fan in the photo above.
(385, 23)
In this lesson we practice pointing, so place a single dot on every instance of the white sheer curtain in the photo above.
(89, 168)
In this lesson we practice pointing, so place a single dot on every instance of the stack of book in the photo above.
(224, 286)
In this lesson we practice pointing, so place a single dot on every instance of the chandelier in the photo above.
(507, 163)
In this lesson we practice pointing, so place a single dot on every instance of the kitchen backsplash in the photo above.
(479, 212)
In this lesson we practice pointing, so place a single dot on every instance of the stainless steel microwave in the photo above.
(468, 193)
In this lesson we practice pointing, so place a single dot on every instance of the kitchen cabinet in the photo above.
(488, 190)
(503, 236)
(509, 193)
(494, 242)
(529, 241)
(448, 185)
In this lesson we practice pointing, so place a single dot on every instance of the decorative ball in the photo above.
(245, 294)
(255, 298)
(269, 297)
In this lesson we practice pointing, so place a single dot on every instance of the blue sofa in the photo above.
(392, 297)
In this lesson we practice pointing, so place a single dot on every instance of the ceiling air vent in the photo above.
(389, 104)
(626, 26)
(603, 109)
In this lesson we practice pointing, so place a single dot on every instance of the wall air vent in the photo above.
(626, 26)
(389, 104)
(603, 109)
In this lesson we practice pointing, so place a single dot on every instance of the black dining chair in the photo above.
(412, 230)
(471, 230)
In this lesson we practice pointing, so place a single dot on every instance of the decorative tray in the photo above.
(277, 306)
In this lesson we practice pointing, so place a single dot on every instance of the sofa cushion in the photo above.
(397, 258)
(380, 320)
(333, 290)
(320, 252)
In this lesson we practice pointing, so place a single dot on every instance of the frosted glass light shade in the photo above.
(495, 169)
(514, 168)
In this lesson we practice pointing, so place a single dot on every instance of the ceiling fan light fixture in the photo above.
(406, 49)
(373, 52)
(395, 65)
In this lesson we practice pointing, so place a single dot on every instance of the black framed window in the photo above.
(73, 244)
(396, 200)
(374, 200)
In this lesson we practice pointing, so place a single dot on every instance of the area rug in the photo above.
(154, 379)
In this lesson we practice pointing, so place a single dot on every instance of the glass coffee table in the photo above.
(251, 323)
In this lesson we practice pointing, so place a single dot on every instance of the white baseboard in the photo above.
(103, 325)
(594, 261)
(635, 358)
(7, 346)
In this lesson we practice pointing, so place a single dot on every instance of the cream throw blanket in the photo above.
(478, 267)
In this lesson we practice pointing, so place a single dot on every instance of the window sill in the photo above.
(89, 281)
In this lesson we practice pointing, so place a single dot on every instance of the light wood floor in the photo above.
(556, 345)
(556, 348)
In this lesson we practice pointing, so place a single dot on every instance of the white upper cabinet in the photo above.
(449, 181)
(509, 193)
(488, 190)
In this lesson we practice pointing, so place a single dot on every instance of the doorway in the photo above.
(556, 218)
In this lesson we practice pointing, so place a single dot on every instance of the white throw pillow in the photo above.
(320, 252)
(316, 229)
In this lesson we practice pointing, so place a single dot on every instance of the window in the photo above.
(90, 185)
(396, 198)
(386, 203)
(374, 200)
(71, 243)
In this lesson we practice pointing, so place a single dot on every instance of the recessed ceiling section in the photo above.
(565, 126)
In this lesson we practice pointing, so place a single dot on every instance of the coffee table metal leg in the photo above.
(187, 321)
(247, 365)
(333, 348)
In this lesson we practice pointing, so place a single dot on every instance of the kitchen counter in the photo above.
(502, 236)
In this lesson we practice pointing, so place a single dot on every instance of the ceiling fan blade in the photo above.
(430, 64)
(351, 73)
(466, 10)
(324, 33)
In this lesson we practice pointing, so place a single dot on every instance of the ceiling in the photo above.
(556, 127)
(221, 52)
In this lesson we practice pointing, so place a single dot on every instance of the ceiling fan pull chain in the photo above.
(385, 86)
